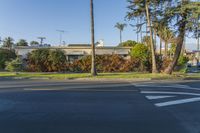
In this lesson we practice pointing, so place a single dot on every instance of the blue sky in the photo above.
(29, 19)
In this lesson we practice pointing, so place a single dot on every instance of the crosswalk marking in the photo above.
(158, 97)
(166, 92)
(166, 95)
(167, 86)
(176, 102)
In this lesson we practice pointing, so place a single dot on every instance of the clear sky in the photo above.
(28, 19)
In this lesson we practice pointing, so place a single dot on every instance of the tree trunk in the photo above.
(198, 55)
(141, 35)
(179, 46)
(120, 36)
(154, 67)
(166, 49)
(93, 67)
(138, 30)
(155, 41)
(160, 46)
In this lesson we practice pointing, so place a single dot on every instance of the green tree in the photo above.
(93, 66)
(149, 22)
(22, 42)
(34, 43)
(182, 15)
(6, 55)
(141, 52)
(144, 8)
(8, 43)
(121, 27)
(15, 65)
(128, 43)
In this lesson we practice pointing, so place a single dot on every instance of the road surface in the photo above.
(48, 106)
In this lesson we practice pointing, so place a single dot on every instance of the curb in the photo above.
(79, 79)
(100, 79)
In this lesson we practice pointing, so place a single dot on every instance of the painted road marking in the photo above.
(173, 93)
(81, 90)
(169, 94)
(78, 89)
(89, 87)
(167, 86)
(176, 102)
(82, 86)
(158, 97)
(173, 102)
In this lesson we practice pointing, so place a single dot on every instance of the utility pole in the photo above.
(61, 32)
(41, 39)
(93, 66)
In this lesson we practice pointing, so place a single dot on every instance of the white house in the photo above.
(77, 51)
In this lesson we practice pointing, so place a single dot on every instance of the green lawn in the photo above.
(87, 75)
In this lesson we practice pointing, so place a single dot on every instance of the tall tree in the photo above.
(8, 42)
(121, 27)
(22, 42)
(144, 8)
(181, 15)
(93, 67)
(149, 23)
(197, 36)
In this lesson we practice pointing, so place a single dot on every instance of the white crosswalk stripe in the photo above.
(176, 102)
(161, 97)
(158, 97)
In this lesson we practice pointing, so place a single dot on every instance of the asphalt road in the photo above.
(46, 106)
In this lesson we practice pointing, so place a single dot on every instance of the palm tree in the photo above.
(166, 35)
(8, 42)
(93, 67)
(146, 40)
(121, 27)
(182, 26)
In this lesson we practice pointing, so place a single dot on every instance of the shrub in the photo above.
(180, 65)
(6, 55)
(46, 60)
(165, 63)
(106, 63)
(182, 60)
(128, 43)
(15, 65)
(142, 53)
